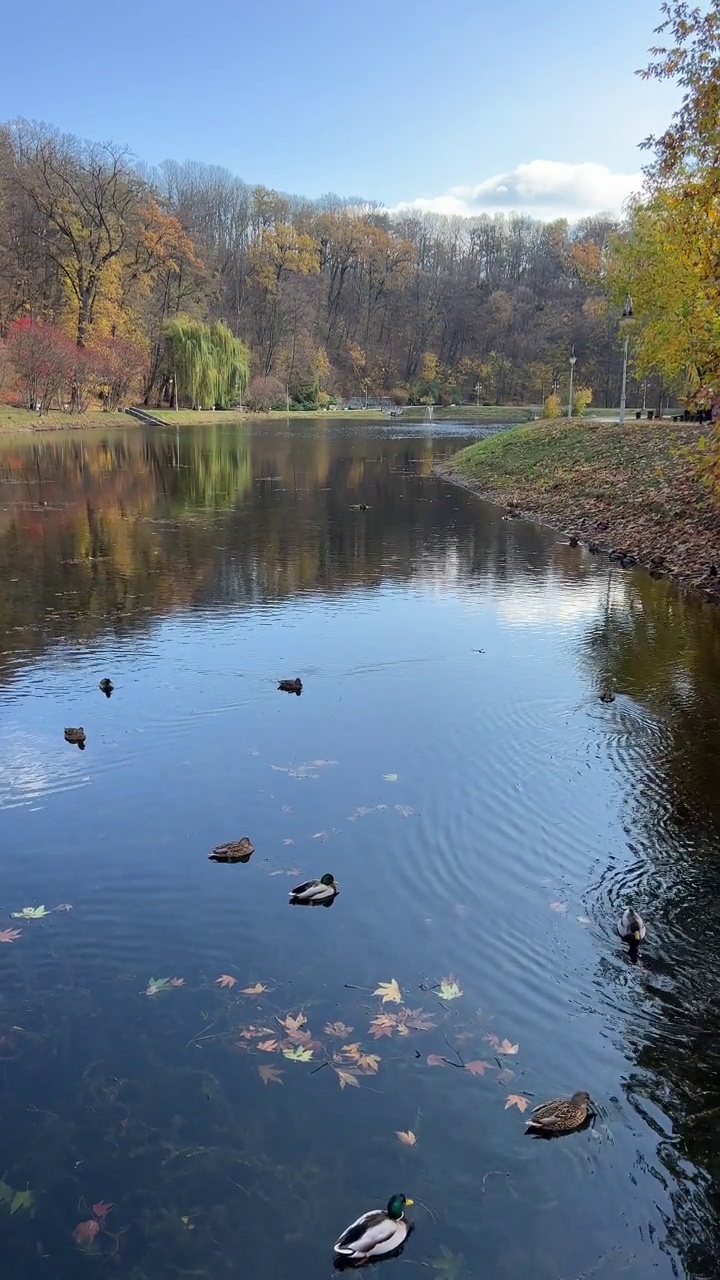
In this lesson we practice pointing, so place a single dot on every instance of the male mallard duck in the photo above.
(106, 687)
(316, 892)
(76, 737)
(233, 851)
(291, 686)
(562, 1115)
(631, 927)
(375, 1234)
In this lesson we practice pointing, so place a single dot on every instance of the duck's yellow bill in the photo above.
(408, 1201)
(636, 935)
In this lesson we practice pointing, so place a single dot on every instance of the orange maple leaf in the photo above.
(516, 1100)
(346, 1077)
(478, 1067)
(267, 1046)
(85, 1232)
(9, 935)
(255, 990)
(226, 980)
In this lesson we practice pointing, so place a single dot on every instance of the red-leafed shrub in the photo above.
(120, 366)
(265, 393)
(43, 358)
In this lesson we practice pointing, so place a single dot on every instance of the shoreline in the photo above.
(629, 493)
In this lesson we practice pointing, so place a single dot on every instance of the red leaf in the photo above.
(85, 1232)
(435, 1060)
(101, 1209)
(477, 1068)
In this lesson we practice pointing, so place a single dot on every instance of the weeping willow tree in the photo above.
(209, 365)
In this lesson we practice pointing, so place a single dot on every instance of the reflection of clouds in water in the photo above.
(32, 766)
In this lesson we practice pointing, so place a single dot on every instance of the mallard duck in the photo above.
(631, 927)
(562, 1115)
(76, 737)
(291, 686)
(375, 1234)
(607, 695)
(315, 892)
(106, 687)
(233, 851)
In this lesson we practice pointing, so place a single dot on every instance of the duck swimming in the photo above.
(234, 851)
(631, 927)
(562, 1115)
(76, 737)
(291, 686)
(375, 1234)
(316, 892)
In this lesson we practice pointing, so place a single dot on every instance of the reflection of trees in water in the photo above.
(139, 524)
(664, 651)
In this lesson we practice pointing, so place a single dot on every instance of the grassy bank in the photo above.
(634, 488)
(18, 421)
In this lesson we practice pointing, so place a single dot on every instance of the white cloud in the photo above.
(544, 189)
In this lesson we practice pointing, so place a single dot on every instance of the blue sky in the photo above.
(395, 100)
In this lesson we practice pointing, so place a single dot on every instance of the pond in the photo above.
(199, 1079)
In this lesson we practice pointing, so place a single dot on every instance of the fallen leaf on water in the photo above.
(389, 991)
(101, 1209)
(292, 1025)
(406, 1136)
(269, 1075)
(226, 980)
(404, 810)
(256, 990)
(435, 1060)
(298, 1054)
(85, 1232)
(30, 913)
(383, 1025)
(449, 1266)
(250, 1033)
(502, 1046)
(346, 1077)
(583, 920)
(516, 1100)
(288, 841)
(449, 989)
(155, 985)
(558, 906)
(321, 835)
(267, 1046)
(368, 1062)
(177, 982)
(478, 1067)
(9, 935)
(23, 1200)
(391, 777)
(505, 1075)
(338, 1029)
(188, 1225)
(418, 1019)
(352, 1050)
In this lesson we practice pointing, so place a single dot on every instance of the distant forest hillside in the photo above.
(331, 298)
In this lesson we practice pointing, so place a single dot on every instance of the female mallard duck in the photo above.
(631, 927)
(291, 686)
(562, 1115)
(316, 892)
(233, 851)
(375, 1234)
(76, 737)
(106, 687)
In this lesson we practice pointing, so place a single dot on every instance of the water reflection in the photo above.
(219, 1067)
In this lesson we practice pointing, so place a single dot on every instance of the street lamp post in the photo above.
(625, 322)
(573, 358)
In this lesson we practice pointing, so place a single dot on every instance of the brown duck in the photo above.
(76, 737)
(233, 851)
(106, 686)
(291, 686)
(562, 1115)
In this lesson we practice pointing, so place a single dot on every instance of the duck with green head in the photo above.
(376, 1234)
(316, 892)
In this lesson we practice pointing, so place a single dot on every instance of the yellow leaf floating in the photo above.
(389, 991)
(256, 990)
(449, 989)
(298, 1054)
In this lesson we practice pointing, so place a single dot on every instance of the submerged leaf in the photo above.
(298, 1054)
(391, 777)
(346, 1077)
(85, 1232)
(418, 1019)
(389, 991)
(269, 1074)
(155, 985)
(338, 1029)
(407, 1137)
(478, 1067)
(23, 1200)
(516, 1100)
(383, 1025)
(226, 980)
(6, 1192)
(10, 935)
(560, 907)
(267, 1046)
(101, 1209)
(449, 989)
(435, 1060)
(30, 913)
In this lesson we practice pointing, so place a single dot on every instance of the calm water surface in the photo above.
(485, 815)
